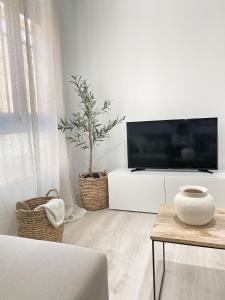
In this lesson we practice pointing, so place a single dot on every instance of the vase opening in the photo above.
(195, 191)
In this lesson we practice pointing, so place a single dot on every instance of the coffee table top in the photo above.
(168, 228)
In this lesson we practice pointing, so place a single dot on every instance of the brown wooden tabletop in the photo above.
(168, 228)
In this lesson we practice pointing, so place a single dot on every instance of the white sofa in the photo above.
(41, 270)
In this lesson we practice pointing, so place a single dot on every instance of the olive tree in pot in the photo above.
(86, 131)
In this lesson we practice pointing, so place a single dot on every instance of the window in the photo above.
(15, 48)
(6, 97)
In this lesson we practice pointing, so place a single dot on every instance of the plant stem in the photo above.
(91, 149)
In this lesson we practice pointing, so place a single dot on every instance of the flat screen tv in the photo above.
(173, 144)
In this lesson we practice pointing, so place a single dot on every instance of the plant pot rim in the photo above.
(102, 175)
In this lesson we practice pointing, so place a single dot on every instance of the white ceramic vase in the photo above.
(194, 205)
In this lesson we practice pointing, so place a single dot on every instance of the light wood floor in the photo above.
(191, 273)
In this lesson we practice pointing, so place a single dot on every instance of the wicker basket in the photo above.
(94, 191)
(35, 224)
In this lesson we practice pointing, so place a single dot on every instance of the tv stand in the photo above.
(205, 171)
(137, 169)
(172, 170)
(145, 191)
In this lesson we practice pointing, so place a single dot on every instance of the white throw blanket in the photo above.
(55, 211)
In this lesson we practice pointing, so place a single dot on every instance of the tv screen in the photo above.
(173, 144)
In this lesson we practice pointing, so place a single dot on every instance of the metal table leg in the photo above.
(155, 297)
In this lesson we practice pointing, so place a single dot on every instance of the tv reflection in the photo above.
(182, 142)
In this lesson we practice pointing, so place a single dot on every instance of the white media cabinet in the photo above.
(144, 191)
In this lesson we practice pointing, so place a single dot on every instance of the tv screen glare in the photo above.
(173, 144)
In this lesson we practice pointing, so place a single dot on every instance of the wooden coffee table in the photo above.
(169, 229)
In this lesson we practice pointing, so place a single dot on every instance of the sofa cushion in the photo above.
(40, 270)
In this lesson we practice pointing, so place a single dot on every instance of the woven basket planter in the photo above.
(94, 191)
(35, 224)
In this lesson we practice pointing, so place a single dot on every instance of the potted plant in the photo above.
(86, 131)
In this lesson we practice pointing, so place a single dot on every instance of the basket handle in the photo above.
(26, 205)
(53, 190)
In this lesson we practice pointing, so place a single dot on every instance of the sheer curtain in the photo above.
(33, 156)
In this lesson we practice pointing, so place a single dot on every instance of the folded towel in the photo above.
(55, 211)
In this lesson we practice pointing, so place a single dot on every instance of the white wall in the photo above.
(157, 59)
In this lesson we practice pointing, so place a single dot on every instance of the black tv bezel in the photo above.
(165, 168)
